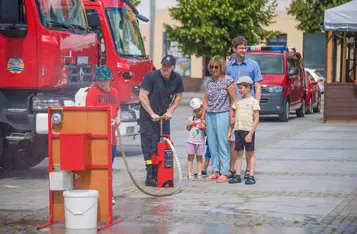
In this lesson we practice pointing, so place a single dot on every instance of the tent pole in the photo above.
(343, 57)
(328, 54)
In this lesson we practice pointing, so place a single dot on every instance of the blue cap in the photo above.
(103, 73)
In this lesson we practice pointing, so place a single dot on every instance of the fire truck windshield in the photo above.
(68, 15)
(125, 33)
(269, 63)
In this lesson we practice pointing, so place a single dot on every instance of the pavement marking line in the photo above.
(233, 192)
(307, 160)
(304, 174)
(305, 148)
(8, 186)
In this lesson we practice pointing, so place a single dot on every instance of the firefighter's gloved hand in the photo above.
(155, 117)
(168, 115)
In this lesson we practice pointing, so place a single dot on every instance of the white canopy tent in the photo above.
(341, 18)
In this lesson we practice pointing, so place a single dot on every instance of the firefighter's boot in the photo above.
(150, 178)
(154, 172)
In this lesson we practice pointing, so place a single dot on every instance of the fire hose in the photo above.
(122, 150)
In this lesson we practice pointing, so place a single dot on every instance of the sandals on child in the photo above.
(246, 174)
(190, 177)
(200, 177)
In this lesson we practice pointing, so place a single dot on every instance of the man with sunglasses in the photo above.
(238, 66)
(160, 94)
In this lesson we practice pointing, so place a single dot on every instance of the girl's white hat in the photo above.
(195, 103)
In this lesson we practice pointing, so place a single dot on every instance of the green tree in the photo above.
(208, 26)
(310, 13)
(135, 2)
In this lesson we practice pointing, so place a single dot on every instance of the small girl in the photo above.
(196, 139)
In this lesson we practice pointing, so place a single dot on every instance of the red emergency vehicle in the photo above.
(47, 55)
(116, 24)
(283, 88)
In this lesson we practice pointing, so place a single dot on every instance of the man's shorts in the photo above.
(195, 149)
(240, 141)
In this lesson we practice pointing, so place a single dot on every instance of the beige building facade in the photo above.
(286, 24)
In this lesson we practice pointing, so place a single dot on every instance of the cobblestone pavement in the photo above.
(306, 183)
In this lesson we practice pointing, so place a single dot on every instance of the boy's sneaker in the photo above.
(235, 179)
(246, 174)
(250, 180)
(231, 173)
(204, 173)
(113, 201)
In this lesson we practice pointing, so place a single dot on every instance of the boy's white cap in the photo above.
(195, 103)
(244, 79)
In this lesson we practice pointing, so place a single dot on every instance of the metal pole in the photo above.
(152, 27)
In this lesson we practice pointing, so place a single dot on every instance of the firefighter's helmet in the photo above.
(103, 73)
(195, 103)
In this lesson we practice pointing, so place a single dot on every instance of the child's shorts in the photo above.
(195, 149)
(240, 141)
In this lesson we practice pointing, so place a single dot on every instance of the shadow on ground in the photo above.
(33, 173)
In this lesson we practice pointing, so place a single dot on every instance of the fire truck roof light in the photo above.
(267, 48)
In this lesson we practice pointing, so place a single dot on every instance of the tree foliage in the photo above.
(208, 26)
(135, 2)
(310, 13)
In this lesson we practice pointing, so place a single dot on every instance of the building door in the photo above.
(314, 52)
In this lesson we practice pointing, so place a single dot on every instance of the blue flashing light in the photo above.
(267, 48)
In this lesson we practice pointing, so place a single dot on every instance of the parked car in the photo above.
(317, 77)
(283, 80)
(313, 94)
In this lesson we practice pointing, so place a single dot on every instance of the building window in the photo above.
(279, 40)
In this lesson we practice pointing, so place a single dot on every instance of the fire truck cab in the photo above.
(116, 24)
(47, 55)
(283, 85)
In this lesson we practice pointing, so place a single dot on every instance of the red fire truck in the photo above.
(47, 55)
(116, 24)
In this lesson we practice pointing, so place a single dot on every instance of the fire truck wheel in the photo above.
(301, 111)
(31, 153)
(2, 147)
(25, 154)
(7, 158)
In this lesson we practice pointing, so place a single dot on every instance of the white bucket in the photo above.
(81, 208)
(84, 231)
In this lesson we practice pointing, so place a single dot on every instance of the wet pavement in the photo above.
(306, 183)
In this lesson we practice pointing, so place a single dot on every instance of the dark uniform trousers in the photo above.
(150, 136)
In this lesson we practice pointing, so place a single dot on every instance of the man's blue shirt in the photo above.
(248, 67)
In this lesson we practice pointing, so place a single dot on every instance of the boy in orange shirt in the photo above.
(101, 94)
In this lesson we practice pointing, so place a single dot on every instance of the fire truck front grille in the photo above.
(79, 74)
(264, 90)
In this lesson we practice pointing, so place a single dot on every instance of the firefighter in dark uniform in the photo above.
(160, 94)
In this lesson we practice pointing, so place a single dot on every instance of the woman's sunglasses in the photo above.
(215, 67)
